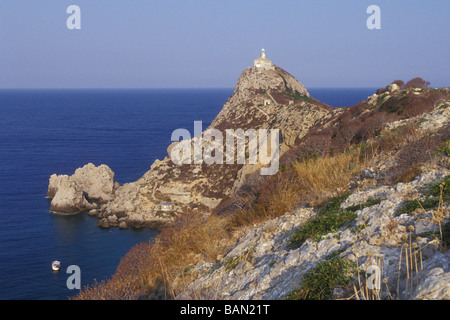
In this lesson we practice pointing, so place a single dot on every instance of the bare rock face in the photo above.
(96, 182)
(270, 99)
(435, 286)
(69, 197)
(55, 183)
(87, 187)
(273, 80)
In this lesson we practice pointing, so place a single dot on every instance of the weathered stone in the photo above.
(112, 219)
(69, 198)
(55, 183)
(93, 212)
(73, 194)
(435, 286)
(123, 225)
(103, 223)
(129, 207)
(96, 182)
(393, 87)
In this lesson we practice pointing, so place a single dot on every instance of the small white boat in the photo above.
(56, 265)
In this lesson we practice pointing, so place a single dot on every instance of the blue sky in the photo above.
(206, 43)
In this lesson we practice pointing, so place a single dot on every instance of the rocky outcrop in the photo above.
(88, 187)
(97, 182)
(67, 196)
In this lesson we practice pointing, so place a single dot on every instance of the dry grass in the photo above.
(157, 269)
(310, 181)
(391, 140)
(327, 174)
(130, 281)
(190, 239)
(193, 238)
(276, 196)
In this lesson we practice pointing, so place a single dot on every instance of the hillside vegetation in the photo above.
(367, 185)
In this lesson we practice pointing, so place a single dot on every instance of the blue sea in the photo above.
(57, 131)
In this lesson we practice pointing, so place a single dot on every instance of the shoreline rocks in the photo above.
(68, 197)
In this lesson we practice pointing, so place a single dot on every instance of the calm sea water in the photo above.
(56, 131)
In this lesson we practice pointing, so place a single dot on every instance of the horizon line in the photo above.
(169, 88)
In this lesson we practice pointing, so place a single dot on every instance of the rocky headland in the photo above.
(358, 189)
(263, 99)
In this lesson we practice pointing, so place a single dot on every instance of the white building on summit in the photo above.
(262, 62)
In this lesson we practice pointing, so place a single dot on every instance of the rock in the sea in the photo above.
(81, 191)
(112, 220)
(94, 212)
(103, 223)
(55, 182)
(96, 182)
(123, 225)
(69, 197)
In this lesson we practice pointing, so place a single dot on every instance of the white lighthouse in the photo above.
(262, 62)
(263, 53)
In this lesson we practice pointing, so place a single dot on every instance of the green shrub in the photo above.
(370, 202)
(411, 205)
(432, 192)
(444, 149)
(446, 235)
(329, 219)
(318, 283)
(334, 254)
(395, 104)
(381, 99)
(434, 189)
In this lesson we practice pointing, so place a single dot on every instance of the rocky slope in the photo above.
(263, 265)
(389, 231)
(263, 99)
